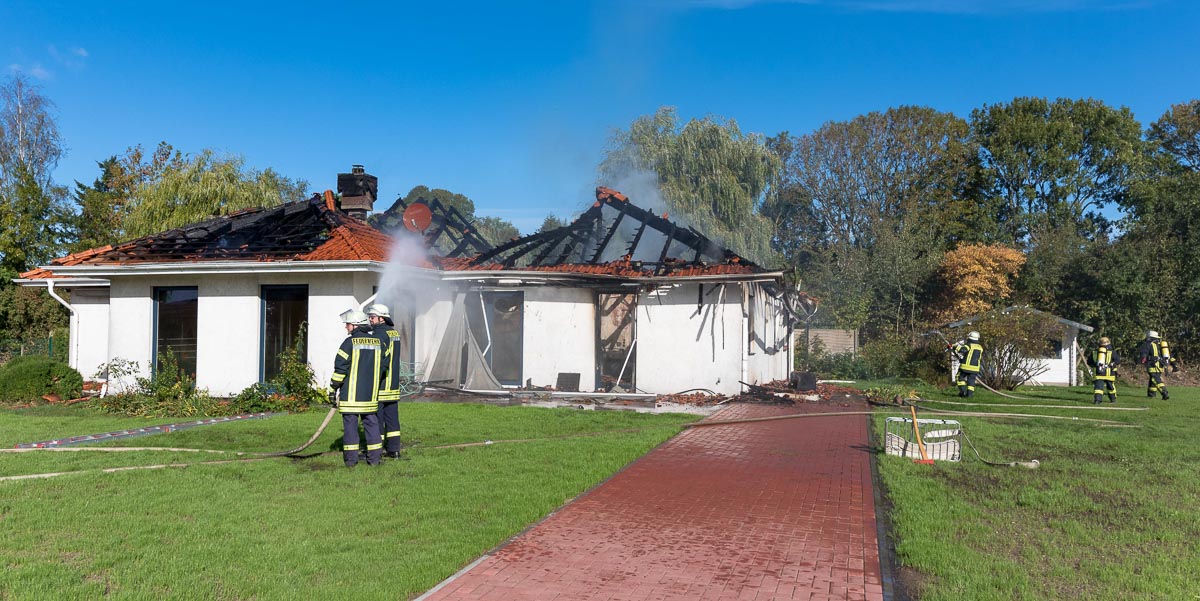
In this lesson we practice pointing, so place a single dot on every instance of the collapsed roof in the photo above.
(311, 230)
(444, 229)
(613, 237)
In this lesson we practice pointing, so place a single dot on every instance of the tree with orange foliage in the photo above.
(975, 278)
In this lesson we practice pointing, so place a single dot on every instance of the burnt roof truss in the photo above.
(450, 233)
(613, 229)
(280, 232)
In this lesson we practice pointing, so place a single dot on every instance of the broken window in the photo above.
(496, 320)
(284, 309)
(615, 349)
(175, 325)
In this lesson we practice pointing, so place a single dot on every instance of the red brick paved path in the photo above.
(764, 511)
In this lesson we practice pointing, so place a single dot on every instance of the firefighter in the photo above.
(1155, 354)
(357, 369)
(390, 386)
(969, 354)
(1104, 360)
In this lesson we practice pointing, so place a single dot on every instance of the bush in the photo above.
(168, 393)
(841, 366)
(293, 389)
(25, 379)
(61, 340)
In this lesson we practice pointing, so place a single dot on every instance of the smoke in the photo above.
(404, 287)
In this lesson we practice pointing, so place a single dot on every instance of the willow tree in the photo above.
(197, 187)
(710, 174)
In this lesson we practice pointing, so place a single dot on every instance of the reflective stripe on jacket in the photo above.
(389, 387)
(357, 370)
(969, 356)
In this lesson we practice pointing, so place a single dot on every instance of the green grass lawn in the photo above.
(291, 529)
(1112, 513)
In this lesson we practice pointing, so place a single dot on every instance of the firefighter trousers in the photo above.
(351, 442)
(389, 419)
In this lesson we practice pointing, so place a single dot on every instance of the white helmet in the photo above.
(354, 316)
(973, 336)
(379, 311)
(1151, 334)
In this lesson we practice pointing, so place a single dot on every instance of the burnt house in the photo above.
(619, 299)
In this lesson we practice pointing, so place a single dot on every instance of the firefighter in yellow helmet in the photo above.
(1104, 360)
(357, 369)
(969, 354)
(1155, 354)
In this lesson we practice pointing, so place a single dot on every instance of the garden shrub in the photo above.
(293, 389)
(169, 392)
(25, 379)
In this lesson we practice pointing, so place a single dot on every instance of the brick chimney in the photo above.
(358, 190)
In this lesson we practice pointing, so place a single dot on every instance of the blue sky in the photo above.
(512, 103)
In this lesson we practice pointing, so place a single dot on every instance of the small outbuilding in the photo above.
(1057, 366)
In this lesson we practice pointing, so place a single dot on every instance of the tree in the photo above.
(710, 175)
(1055, 164)
(1178, 133)
(29, 139)
(975, 278)
(101, 209)
(550, 223)
(33, 213)
(493, 229)
(865, 207)
(192, 188)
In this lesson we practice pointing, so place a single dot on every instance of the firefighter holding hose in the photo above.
(390, 385)
(969, 354)
(358, 368)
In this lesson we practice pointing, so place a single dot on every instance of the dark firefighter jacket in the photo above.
(969, 355)
(390, 386)
(360, 365)
(1155, 355)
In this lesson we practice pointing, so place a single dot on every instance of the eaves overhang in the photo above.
(62, 282)
(228, 268)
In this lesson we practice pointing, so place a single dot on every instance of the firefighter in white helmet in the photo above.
(390, 386)
(969, 354)
(357, 369)
(1155, 354)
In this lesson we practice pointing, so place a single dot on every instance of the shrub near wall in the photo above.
(26, 379)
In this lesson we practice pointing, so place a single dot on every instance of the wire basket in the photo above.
(409, 384)
(942, 438)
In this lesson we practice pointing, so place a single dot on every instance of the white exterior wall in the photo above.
(89, 330)
(131, 322)
(768, 355)
(229, 322)
(679, 348)
(559, 335)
